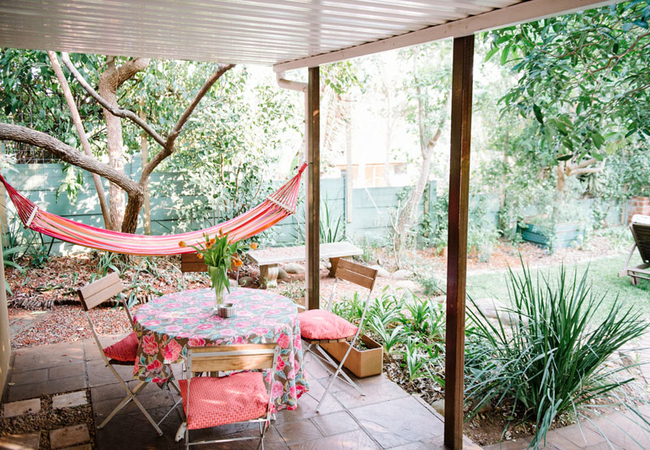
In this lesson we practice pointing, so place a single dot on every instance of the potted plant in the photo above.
(365, 359)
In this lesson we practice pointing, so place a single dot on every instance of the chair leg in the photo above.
(130, 396)
(175, 405)
(339, 369)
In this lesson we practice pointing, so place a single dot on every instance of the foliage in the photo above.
(331, 228)
(549, 361)
(582, 77)
(294, 290)
(627, 174)
(224, 155)
(220, 255)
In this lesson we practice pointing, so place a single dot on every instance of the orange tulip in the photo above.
(182, 244)
(237, 262)
(199, 255)
(254, 245)
(213, 241)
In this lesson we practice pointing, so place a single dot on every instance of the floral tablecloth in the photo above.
(167, 325)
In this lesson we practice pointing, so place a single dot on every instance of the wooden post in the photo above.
(312, 233)
(4, 224)
(461, 125)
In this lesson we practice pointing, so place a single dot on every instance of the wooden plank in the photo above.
(461, 125)
(289, 254)
(101, 290)
(207, 359)
(312, 221)
(190, 262)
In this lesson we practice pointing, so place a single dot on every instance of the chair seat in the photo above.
(318, 324)
(220, 401)
(125, 350)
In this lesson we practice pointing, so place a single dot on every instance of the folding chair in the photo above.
(124, 352)
(640, 227)
(241, 397)
(319, 326)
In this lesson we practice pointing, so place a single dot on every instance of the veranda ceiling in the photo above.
(267, 32)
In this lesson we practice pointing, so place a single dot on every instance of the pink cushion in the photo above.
(319, 324)
(220, 401)
(125, 350)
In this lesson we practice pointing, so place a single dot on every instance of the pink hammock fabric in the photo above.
(277, 206)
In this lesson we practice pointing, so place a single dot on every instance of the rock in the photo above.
(283, 275)
(13, 409)
(489, 307)
(494, 309)
(439, 406)
(402, 274)
(439, 299)
(381, 272)
(406, 284)
(246, 281)
(294, 268)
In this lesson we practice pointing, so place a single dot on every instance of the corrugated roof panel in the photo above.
(237, 31)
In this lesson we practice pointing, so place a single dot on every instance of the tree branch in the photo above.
(76, 119)
(69, 154)
(130, 68)
(124, 113)
(168, 146)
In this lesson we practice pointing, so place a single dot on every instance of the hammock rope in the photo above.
(277, 206)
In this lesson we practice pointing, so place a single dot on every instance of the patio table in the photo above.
(169, 324)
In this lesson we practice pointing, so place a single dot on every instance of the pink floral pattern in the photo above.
(169, 324)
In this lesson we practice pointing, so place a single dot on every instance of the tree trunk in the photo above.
(108, 84)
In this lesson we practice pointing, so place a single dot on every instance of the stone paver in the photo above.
(353, 440)
(335, 423)
(13, 409)
(297, 432)
(69, 400)
(71, 369)
(69, 436)
(20, 441)
(21, 392)
(399, 422)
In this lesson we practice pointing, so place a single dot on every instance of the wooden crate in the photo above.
(362, 363)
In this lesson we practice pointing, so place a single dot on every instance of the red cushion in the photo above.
(319, 324)
(220, 401)
(125, 350)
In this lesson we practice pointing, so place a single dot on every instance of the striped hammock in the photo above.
(277, 206)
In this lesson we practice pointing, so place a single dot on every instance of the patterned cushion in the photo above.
(125, 350)
(319, 324)
(219, 401)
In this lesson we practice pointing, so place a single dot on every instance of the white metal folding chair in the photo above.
(93, 295)
(241, 397)
(314, 319)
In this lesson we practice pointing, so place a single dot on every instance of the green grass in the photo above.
(602, 272)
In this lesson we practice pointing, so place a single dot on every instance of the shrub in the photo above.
(550, 360)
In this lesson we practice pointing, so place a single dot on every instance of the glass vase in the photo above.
(218, 295)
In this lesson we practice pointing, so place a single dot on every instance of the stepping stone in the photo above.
(13, 409)
(69, 400)
(20, 441)
(69, 436)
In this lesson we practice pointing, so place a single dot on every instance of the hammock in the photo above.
(277, 206)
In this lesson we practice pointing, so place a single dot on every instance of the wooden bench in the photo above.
(269, 258)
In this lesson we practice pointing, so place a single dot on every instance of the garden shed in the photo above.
(288, 35)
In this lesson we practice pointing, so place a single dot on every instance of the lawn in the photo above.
(603, 273)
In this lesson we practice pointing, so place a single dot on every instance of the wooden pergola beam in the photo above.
(461, 133)
(312, 233)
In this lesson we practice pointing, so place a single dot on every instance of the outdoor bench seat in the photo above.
(269, 258)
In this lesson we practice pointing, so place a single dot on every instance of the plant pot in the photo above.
(563, 236)
(362, 363)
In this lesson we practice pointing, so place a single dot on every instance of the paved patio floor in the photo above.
(387, 417)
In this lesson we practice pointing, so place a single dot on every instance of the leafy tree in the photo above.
(114, 74)
(429, 92)
(584, 80)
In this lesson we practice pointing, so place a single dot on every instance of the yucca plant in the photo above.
(547, 359)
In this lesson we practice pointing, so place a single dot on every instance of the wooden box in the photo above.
(362, 363)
